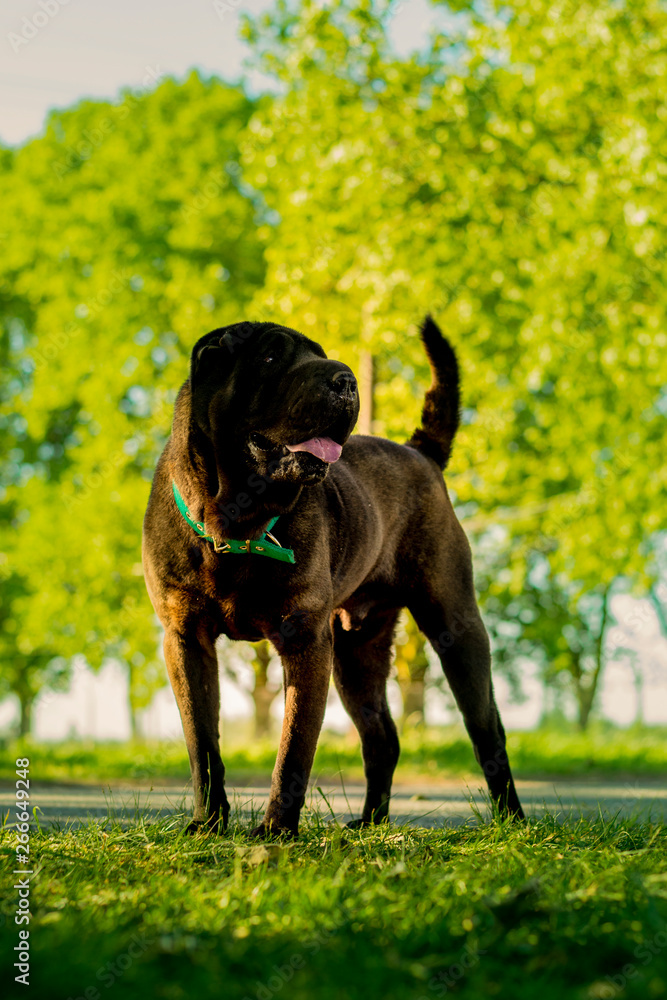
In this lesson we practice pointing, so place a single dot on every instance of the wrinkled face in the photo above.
(269, 399)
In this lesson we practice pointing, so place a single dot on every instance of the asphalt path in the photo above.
(447, 803)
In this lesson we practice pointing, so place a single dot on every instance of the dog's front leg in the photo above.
(307, 671)
(193, 672)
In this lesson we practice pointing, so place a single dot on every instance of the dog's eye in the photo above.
(269, 359)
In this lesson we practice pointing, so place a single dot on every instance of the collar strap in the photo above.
(267, 545)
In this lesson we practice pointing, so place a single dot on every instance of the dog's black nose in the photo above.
(345, 384)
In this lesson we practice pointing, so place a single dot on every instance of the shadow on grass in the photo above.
(546, 908)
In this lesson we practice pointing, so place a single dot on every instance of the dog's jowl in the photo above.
(267, 520)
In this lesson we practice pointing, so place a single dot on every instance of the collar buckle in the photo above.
(266, 545)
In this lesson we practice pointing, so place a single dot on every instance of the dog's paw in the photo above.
(272, 832)
(213, 825)
(357, 824)
(197, 826)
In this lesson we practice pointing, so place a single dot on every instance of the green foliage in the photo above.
(411, 664)
(549, 623)
(515, 184)
(548, 908)
(131, 234)
(510, 177)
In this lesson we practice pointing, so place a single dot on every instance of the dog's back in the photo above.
(393, 495)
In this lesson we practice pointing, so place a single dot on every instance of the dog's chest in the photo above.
(246, 605)
(239, 620)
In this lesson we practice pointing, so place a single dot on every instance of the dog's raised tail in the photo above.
(440, 415)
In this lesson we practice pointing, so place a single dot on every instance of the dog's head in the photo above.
(268, 398)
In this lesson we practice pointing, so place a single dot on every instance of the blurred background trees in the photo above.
(130, 228)
(510, 177)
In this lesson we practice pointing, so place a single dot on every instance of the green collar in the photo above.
(257, 546)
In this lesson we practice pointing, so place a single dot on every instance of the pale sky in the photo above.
(90, 48)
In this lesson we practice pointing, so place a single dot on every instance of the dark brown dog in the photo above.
(257, 429)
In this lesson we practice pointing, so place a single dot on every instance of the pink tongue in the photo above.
(322, 448)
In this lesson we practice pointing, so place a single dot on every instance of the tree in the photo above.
(547, 622)
(132, 233)
(264, 692)
(27, 670)
(511, 179)
(412, 666)
(500, 186)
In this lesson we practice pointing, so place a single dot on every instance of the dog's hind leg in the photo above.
(458, 635)
(193, 671)
(362, 658)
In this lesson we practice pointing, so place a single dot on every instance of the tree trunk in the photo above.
(135, 727)
(25, 716)
(585, 698)
(263, 699)
(639, 695)
(586, 693)
(659, 610)
(411, 668)
(366, 389)
(413, 701)
(263, 695)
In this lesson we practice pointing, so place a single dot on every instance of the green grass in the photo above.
(542, 911)
(604, 751)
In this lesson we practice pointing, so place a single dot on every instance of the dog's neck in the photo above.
(234, 503)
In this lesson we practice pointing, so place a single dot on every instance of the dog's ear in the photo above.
(218, 348)
(205, 353)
